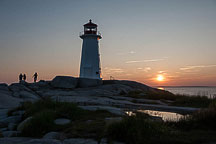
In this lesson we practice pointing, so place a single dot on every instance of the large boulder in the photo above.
(16, 87)
(4, 89)
(52, 135)
(64, 82)
(42, 84)
(9, 102)
(4, 86)
(86, 82)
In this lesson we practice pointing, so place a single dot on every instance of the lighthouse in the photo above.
(90, 57)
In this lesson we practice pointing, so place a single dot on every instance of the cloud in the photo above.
(146, 69)
(132, 52)
(161, 72)
(149, 60)
(113, 70)
(125, 53)
(197, 66)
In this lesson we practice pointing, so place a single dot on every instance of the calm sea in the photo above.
(191, 90)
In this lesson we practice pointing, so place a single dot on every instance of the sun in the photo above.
(160, 78)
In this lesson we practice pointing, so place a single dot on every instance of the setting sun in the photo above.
(160, 78)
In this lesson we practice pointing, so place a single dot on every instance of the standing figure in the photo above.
(35, 76)
(24, 77)
(20, 77)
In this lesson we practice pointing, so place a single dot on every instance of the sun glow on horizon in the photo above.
(160, 78)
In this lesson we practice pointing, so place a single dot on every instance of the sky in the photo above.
(155, 42)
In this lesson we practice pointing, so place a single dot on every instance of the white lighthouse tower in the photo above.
(90, 59)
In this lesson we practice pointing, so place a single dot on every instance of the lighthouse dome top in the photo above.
(90, 24)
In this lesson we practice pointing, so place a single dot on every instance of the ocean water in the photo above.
(189, 90)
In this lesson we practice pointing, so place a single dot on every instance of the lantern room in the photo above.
(90, 28)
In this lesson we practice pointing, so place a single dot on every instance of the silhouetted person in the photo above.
(35, 77)
(20, 77)
(24, 77)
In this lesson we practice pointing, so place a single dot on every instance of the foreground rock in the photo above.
(4, 86)
(24, 140)
(20, 127)
(52, 135)
(10, 133)
(64, 82)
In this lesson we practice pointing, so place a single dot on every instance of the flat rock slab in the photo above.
(112, 110)
(14, 140)
(43, 141)
(25, 140)
(10, 133)
(79, 141)
(11, 119)
(62, 121)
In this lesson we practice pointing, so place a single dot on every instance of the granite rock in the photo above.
(64, 82)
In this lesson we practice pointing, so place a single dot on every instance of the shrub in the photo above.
(137, 130)
(213, 104)
(203, 119)
(61, 109)
(192, 101)
(40, 124)
(44, 112)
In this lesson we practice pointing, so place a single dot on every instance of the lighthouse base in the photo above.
(87, 82)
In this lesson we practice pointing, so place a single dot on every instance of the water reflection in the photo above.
(160, 88)
(166, 116)
(130, 113)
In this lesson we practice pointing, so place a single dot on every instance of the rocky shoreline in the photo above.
(86, 93)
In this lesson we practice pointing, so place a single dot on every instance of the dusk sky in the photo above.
(141, 39)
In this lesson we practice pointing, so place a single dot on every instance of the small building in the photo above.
(90, 58)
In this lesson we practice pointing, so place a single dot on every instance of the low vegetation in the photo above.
(84, 123)
(200, 127)
(174, 100)
(204, 119)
